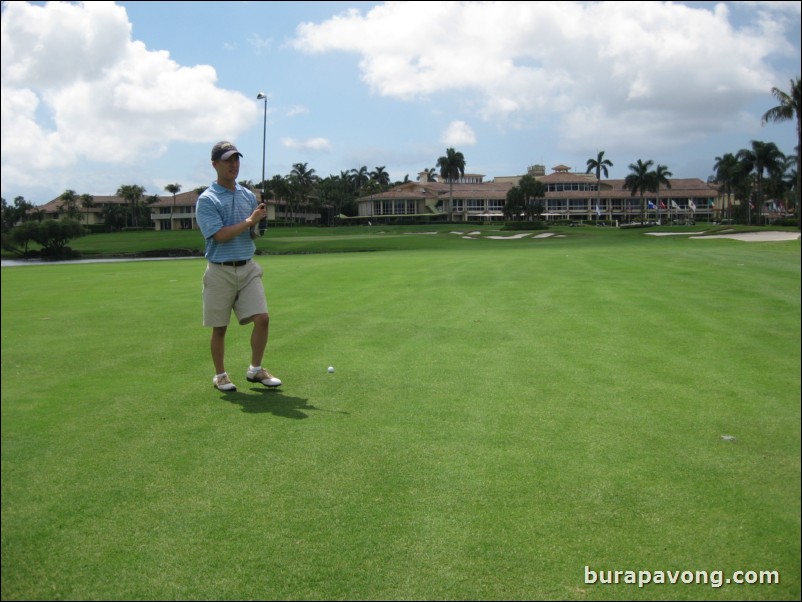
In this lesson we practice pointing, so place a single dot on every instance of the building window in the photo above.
(393, 207)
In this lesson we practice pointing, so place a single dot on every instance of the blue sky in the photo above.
(100, 94)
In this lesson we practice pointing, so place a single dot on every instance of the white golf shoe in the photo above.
(263, 376)
(223, 383)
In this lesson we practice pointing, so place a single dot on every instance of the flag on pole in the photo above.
(662, 205)
(650, 204)
(674, 204)
(598, 211)
(691, 204)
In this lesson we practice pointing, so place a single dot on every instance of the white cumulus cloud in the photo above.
(75, 87)
(458, 133)
(675, 70)
(312, 144)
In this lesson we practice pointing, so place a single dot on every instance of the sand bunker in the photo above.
(756, 236)
(514, 236)
(472, 235)
(769, 236)
(745, 236)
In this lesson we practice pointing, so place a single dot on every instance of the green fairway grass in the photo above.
(503, 414)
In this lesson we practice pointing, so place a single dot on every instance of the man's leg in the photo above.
(218, 347)
(261, 323)
(256, 373)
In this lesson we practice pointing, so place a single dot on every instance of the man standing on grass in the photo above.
(227, 215)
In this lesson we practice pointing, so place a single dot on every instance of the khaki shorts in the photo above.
(238, 288)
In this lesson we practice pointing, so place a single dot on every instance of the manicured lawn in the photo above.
(379, 237)
(503, 415)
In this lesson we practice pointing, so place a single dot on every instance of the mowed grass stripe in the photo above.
(498, 419)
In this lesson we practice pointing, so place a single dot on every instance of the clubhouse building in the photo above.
(569, 196)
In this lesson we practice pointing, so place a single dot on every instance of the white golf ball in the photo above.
(331, 368)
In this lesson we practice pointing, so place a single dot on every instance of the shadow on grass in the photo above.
(273, 401)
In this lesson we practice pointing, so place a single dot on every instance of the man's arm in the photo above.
(226, 233)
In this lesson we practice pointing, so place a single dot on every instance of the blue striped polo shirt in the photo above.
(217, 207)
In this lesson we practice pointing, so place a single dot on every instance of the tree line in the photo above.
(750, 176)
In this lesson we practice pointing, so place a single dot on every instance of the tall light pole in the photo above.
(263, 96)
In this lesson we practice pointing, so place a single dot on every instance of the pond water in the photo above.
(11, 263)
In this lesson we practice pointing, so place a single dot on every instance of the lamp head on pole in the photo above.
(260, 96)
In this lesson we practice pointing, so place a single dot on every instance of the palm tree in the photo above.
(600, 165)
(660, 175)
(791, 180)
(779, 187)
(279, 187)
(360, 177)
(514, 204)
(70, 204)
(728, 170)
(789, 108)
(303, 180)
(20, 212)
(172, 189)
(87, 202)
(381, 176)
(132, 193)
(337, 196)
(114, 217)
(640, 180)
(452, 166)
(533, 191)
(763, 157)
